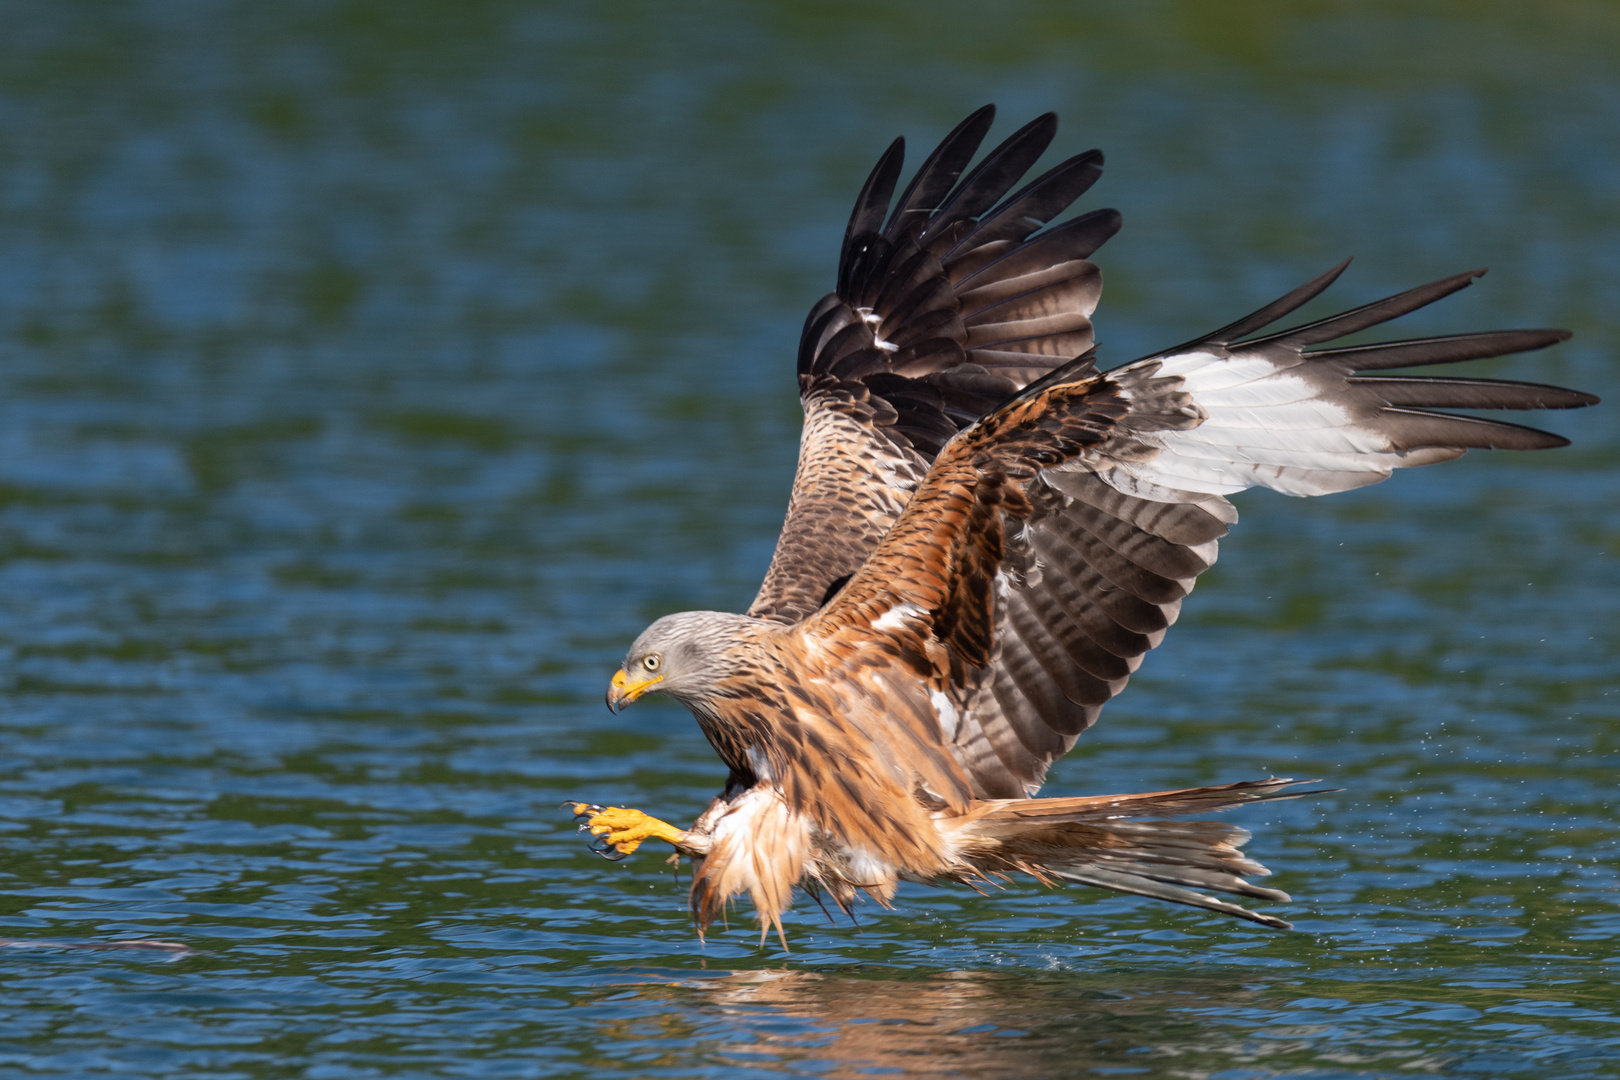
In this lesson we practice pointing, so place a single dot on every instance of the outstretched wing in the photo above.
(940, 313)
(1052, 543)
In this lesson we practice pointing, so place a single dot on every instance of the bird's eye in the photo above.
(651, 661)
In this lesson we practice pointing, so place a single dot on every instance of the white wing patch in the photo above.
(949, 720)
(1266, 425)
(895, 618)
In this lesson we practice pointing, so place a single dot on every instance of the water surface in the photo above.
(370, 374)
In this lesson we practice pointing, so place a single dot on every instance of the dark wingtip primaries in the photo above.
(938, 173)
(963, 293)
(1357, 319)
(1444, 349)
(870, 207)
(992, 177)
(1415, 429)
(1276, 309)
(1037, 203)
(1424, 391)
(1406, 403)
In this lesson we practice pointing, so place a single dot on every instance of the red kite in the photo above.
(986, 535)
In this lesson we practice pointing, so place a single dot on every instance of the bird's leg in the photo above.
(619, 831)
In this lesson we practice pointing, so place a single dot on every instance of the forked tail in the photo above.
(1103, 841)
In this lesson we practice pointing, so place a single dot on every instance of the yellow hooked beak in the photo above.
(622, 691)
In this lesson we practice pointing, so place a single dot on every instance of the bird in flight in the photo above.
(986, 535)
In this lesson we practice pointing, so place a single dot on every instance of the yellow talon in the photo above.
(621, 830)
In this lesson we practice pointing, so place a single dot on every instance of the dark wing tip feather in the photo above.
(1090, 231)
(1076, 238)
(1038, 202)
(1427, 392)
(1276, 309)
(996, 174)
(1444, 349)
(1356, 319)
(871, 205)
(939, 172)
(1416, 429)
(1407, 415)
(896, 304)
(902, 350)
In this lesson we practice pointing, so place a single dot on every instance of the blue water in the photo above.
(371, 373)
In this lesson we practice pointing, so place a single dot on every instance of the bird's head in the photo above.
(681, 656)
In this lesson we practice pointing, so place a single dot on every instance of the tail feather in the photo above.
(1139, 885)
(1101, 841)
(1199, 800)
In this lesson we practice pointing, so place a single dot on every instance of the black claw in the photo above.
(605, 849)
(599, 843)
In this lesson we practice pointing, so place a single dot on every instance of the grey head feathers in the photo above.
(690, 652)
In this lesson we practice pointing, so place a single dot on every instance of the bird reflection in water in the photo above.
(948, 1023)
